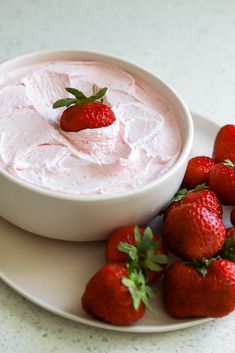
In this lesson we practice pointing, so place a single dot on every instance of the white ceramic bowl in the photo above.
(76, 218)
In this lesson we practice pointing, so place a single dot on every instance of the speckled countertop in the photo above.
(190, 45)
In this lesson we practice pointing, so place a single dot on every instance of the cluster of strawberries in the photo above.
(119, 293)
(201, 283)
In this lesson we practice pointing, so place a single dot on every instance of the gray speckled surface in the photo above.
(189, 44)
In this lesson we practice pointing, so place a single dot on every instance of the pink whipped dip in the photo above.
(142, 144)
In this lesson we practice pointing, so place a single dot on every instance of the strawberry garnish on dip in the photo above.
(84, 112)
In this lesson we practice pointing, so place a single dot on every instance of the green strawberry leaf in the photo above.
(132, 266)
(202, 270)
(138, 289)
(75, 92)
(228, 250)
(179, 195)
(151, 292)
(148, 234)
(142, 255)
(137, 235)
(201, 265)
(133, 290)
(100, 93)
(80, 97)
(200, 187)
(229, 163)
(183, 192)
(96, 96)
(146, 242)
(129, 249)
(66, 102)
(146, 302)
(152, 266)
(160, 258)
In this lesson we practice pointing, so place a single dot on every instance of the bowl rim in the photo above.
(185, 151)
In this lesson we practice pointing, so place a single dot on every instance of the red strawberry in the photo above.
(86, 113)
(197, 171)
(188, 292)
(201, 194)
(222, 182)
(140, 248)
(114, 296)
(232, 217)
(230, 232)
(191, 231)
(224, 146)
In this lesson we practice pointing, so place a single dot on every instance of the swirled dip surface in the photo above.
(142, 144)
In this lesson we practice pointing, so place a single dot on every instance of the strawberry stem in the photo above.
(143, 254)
(139, 291)
(183, 192)
(75, 92)
(201, 265)
(80, 98)
(229, 163)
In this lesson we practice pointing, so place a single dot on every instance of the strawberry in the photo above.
(197, 171)
(140, 248)
(232, 217)
(84, 112)
(222, 181)
(230, 232)
(201, 194)
(115, 296)
(224, 146)
(199, 292)
(190, 231)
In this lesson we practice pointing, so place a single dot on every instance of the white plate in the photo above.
(53, 274)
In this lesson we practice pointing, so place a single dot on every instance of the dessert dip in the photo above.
(142, 143)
